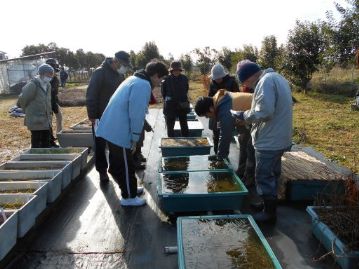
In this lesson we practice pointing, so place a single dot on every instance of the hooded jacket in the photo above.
(103, 83)
(271, 112)
(123, 119)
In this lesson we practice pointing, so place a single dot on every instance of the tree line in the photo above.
(311, 46)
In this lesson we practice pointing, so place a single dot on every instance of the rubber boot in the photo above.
(269, 212)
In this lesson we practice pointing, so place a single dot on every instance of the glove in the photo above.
(133, 147)
(147, 126)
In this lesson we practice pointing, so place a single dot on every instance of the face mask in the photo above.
(46, 79)
(122, 70)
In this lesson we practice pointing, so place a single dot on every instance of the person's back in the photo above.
(272, 125)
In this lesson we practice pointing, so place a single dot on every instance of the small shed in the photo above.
(14, 73)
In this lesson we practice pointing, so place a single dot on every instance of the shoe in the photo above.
(137, 201)
(269, 212)
(140, 190)
(104, 177)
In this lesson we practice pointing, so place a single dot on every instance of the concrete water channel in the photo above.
(87, 227)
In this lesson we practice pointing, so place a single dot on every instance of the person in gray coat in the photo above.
(271, 116)
(35, 100)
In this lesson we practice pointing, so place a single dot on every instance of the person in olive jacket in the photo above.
(174, 91)
(35, 100)
(103, 83)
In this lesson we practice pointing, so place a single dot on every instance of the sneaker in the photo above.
(137, 201)
(104, 177)
(140, 190)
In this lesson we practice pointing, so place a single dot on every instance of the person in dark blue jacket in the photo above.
(174, 91)
(219, 80)
(103, 83)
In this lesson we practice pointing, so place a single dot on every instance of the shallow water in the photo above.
(18, 191)
(191, 163)
(11, 205)
(199, 182)
(222, 243)
(184, 142)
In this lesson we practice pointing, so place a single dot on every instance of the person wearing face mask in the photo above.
(103, 83)
(35, 100)
(121, 126)
(271, 116)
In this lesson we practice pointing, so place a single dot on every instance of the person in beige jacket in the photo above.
(35, 100)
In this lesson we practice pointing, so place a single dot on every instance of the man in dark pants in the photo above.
(104, 82)
(174, 91)
(219, 80)
(122, 124)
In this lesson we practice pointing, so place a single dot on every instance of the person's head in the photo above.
(121, 62)
(53, 63)
(156, 70)
(248, 73)
(204, 107)
(218, 73)
(46, 72)
(176, 68)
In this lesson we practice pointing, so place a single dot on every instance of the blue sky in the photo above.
(176, 27)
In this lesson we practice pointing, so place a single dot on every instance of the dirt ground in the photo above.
(14, 136)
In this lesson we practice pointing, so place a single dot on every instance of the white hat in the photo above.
(217, 72)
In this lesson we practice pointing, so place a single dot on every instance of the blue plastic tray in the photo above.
(186, 150)
(190, 163)
(205, 250)
(199, 191)
(346, 260)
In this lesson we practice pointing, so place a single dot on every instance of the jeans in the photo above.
(268, 170)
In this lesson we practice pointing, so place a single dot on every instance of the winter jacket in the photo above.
(63, 75)
(123, 119)
(36, 103)
(228, 83)
(174, 91)
(54, 94)
(103, 83)
(223, 102)
(271, 112)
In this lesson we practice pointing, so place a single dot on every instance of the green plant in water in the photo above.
(18, 191)
(15, 205)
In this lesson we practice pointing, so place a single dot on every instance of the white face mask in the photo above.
(122, 70)
(46, 79)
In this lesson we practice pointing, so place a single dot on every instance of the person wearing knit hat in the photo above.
(220, 79)
(271, 114)
(35, 100)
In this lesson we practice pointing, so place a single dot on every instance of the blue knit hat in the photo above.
(45, 68)
(246, 70)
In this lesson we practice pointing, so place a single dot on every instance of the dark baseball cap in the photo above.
(123, 56)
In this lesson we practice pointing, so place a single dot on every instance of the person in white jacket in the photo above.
(121, 126)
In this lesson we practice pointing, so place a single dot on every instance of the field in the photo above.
(324, 122)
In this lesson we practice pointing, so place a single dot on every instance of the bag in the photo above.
(185, 106)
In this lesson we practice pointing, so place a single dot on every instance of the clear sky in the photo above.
(177, 27)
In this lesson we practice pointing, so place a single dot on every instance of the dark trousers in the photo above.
(100, 155)
(122, 170)
(170, 123)
(246, 164)
(215, 139)
(40, 139)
